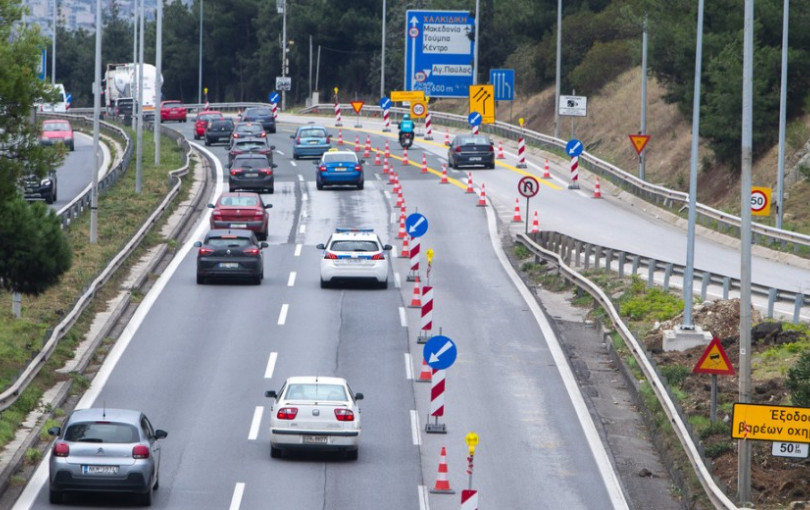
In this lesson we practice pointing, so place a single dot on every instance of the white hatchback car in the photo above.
(315, 413)
(354, 254)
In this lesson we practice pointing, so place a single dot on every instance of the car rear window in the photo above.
(239, 201)
(313, 133)
(322, 392)
(250, 145)
(339, 157)
(229, 242)
(261, 112)
(251, 162)
(102, 432)
(56, 126)
(208, 116)
(474, 140)
(352, 245)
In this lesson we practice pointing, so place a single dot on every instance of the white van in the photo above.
(60, 106)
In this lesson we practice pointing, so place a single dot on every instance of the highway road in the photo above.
(76, 173)
(197, 360)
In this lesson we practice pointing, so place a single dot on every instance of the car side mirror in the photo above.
(274, 165)
(211, 206)
(328, 138)
(268, 206)
(264, 244)
(362, 161)
(320, 246)
(161, 434)
(54, 431)
(358, 396)
(197, 244)
(272, 147)
(388, 247)
(270, 394)
(292, 136)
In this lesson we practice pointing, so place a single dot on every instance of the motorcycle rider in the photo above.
(406, 125)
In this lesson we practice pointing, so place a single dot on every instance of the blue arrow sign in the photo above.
(439, 53)
(385, 103)
(416, 225)
(69, 98)
(440, 352)
(274, 97)
(474, 119)
(503, 81)
(43, 64)
(574, 148)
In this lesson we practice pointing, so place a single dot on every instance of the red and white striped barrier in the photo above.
(337, 114)
(475, 130)
(414, 258)
(275, 110)
(428, 127)
(437, 393)
(427, 315)
(469, 499)
(574, 184)
(386, 122)
(521, 153)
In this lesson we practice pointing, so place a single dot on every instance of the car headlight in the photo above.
(46, 181)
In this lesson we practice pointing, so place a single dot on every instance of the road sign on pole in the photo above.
(482, 100)
(760, 201)
(503, 80)
(439, 52)
(416, 225)
(639, 142)
(574, 106)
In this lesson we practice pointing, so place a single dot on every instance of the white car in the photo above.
(354, 254)
(314, 413)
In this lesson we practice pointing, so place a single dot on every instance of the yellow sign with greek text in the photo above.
(770, 423)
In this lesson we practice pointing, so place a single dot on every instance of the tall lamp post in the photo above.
(282, 9)
(53, 56)
(382, 56)
(96, 115)
(199, 76)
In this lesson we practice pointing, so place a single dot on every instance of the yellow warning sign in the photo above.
(399, 96)
(482, 100)
(770, 423)
(357, 105)
(760, 201)
(639, 142)
(714, 360)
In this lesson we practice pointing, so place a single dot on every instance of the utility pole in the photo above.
(284, 60)
(96, 115)
(559, 58)
(158, 78)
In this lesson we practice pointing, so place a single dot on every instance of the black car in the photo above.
(218, 129)
(250, 146)
(252, 172)
(262, 115)
(230, 254)
(39, 188)
(471, 150)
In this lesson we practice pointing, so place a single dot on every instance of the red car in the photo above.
(173, 110)
(57, 131)
(241, 210)
(202, 121)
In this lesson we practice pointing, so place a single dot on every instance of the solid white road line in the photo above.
(408, 367)
(297, 251)
(271, 365)
(302, 229)
(236, 500)
(423, 498)
(291, 279)
(402, 318)
(417, 439)
(255, 423)
(397, 280)
(282, 316)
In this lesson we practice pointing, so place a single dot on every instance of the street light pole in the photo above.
(284, 53)
(199, 66)
(158, 78)
(559, 58)
(475, 43)
(96, 115)
(53, 56)
(382, 57)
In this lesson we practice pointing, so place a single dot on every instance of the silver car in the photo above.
(105, 450)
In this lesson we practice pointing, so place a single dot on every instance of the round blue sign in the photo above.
(474, 119)
(574, 147)
(385, 103)
(416, 225)
(68, 98)
(274, 97)
(440, 352)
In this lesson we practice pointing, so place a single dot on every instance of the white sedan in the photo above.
(315, 413)
(354, 254)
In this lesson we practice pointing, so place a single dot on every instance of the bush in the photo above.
(798, 381)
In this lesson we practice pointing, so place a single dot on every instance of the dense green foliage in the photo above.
(798, 381)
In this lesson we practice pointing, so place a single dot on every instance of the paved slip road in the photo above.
(197, 359)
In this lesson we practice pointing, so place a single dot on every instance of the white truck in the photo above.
(121, 80)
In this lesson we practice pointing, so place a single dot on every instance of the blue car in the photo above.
(311, 140)
(339, 168)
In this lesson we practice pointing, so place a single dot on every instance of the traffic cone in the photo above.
(426, 375)
(447, 137)
(340, 137)
(500, 150)
(597, 191)
(377, 161)
(444, 174)
(405, 253)
(400, 198)
(385, 166)
(387, 151)
(401, 234)
(357, 143)
(366, 152)
(424, 164)
(535, 224)
(546, 174)
(516, 218)
(368, 143)
(416, 298)
(405, 156)
(482, 200)
(469, 183)
(391, 178)
(442, 485)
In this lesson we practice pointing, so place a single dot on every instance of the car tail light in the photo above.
(140, 451)
(458, 149)
(266, 171)
(287, 413)
(358, 167)
(331, 256)
(235, 171)
(322, 168)
(236, 135)
(298, 140)
(258, 215)
(378, 256)
(491, 148)
(251, 251)
(217, 215)
(61, 449)
(344, 414)
(205, 251)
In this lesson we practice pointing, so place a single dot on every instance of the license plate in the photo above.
(313, 142)
(251, 174)
(314, 439)
(340, 169)
(100, 470)
(229, 265)
(238, 225)
(475, 159)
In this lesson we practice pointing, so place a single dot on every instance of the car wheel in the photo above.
(146, 499)
(257, 280)
(275, 453)
(324, 284)
(51, 198)
(263, 236)
(200, 280)
(271, 190)
(352, 454)
(55, 497)
(295, 156)
(231, 189)
(383, 285)
(360, 185)
(207, 142)
(319, 185)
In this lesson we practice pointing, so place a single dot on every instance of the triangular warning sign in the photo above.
(714, 360)
(639, 142)
(357, 105)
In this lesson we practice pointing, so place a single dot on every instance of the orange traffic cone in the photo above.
(357, 144)
(340, 137)
(469, 183)
(597, 191)
(500, 150)
(546, 174)
(391, 179)
(405, 156)
(387, 150)
(416, 299)
(426, 375)
(401, 234)
(424, 164)
(400, 198)
(444, 174)
(535, 224)
(516, 218)
(442, 484)
(447, 137)
(385, 166)
(405, 253)
(377, 161)
(368, 143)
(482, 200)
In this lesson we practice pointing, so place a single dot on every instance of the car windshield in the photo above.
(229, 242)
(321, 392)
(56, 126)
(474, 140)
(102, 432)
(239, 201)
(354, 245)
(312, 133)
(250, 163)
(337, 157)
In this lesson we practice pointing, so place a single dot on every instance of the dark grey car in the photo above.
(252, 172)
(218, 129)
(471, 150)
(105, 450)
(262, 115)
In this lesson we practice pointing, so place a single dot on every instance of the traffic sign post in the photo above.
(714, 361)
(439, 353)
(528, 187)
(503, 81)
(439, 52)
(482, 100)
(357, 106)
(385, 104)
(760, 201)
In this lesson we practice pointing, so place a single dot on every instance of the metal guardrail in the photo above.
(679, 424)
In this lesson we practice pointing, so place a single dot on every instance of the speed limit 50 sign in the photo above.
(760, 201)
